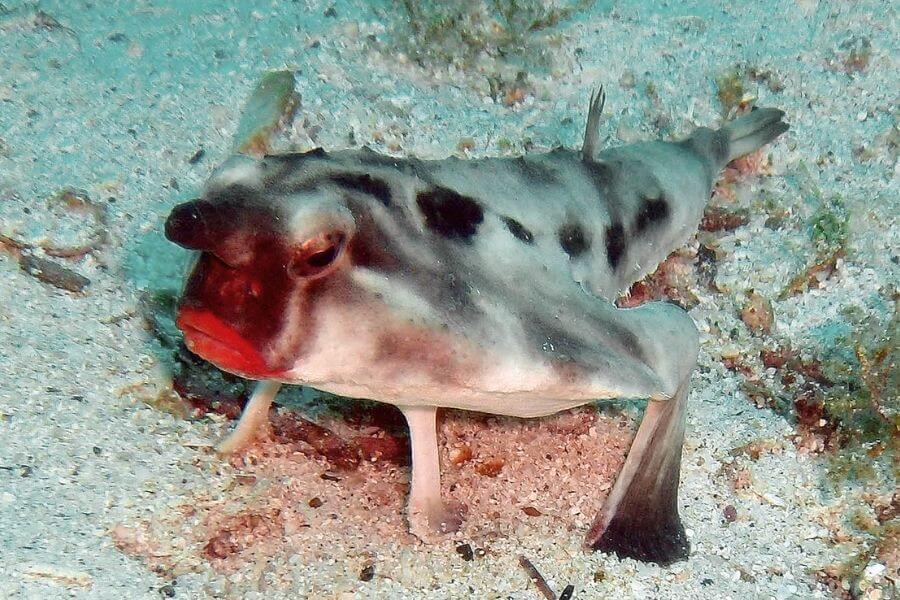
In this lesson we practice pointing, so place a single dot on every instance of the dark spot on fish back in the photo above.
(281, 171)
(573, 240)
(518, 230)
(295, 157)
(534, 172)
(448, 213)
(366, 184)
(653, 212)
(615, 244)
(600, 173)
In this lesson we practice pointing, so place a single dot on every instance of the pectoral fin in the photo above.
(640, 517)
(254, 419)
(430, 518)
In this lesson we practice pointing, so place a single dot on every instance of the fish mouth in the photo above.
(212, 339)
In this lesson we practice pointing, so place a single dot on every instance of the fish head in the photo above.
(263, 258)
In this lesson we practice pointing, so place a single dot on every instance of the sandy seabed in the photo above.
(105, 494)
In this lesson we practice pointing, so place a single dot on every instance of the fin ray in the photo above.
(592, 128)
(753, 131)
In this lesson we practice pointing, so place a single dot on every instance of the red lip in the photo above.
(210, 338)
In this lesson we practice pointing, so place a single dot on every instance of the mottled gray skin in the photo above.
(475, 284)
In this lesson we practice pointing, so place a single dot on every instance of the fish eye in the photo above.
(315, 256)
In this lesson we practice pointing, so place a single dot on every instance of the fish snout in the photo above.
(189, 225)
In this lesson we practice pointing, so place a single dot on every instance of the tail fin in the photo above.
(753, 131)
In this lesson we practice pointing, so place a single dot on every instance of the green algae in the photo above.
(829, 226)
(862, 411)
(505, 40)
(459, 30)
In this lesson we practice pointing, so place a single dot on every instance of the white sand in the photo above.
(118, 102)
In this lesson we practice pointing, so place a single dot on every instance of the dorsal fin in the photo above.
(592, 130)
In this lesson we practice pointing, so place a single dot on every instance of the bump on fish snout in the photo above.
(187, 225)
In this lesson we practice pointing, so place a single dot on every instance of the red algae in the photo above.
(717, 218)
(558, 468)
(237, 533)
(674, 279)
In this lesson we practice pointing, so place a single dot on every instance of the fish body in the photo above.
(480, 284)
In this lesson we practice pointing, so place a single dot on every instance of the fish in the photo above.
(482, 284)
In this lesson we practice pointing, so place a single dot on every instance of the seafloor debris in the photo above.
(729, 513)
(197, 156)
(490, 467)
(33, 18)
(733, 85)
(270, 108)
(731, 91)
(843, 400)
(829, 228)
(58, 575)
(535, 576)
(509, 90)
(460, 454)
(755, 163)
(289, 428)
(503, 41)
(208, 389)
(871, 573)
(766, 76)
(367, 573)
(674, 279)
(465, 145)
(465, 551)
(812, 277)
(718, 218)
(53, 273)
(236, 532)
(265, 507)
(757, 313)
(69, 225)
(851, 56)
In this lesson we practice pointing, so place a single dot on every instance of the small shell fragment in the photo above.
(58, 575)
(757, 314)
(490, 467)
